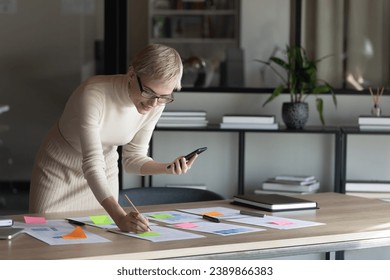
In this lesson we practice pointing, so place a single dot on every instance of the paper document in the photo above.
(172, 217)
(218, 212)
(223, 229)
(160, 234)
(100, 221)
(275, 222)
(60, 232)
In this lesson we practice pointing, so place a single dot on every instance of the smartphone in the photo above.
(9, 232)
(196, 152)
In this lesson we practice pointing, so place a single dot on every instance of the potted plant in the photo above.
(300, 82)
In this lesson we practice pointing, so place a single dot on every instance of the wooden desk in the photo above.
(350, 223)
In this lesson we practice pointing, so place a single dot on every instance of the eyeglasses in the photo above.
(151, 95)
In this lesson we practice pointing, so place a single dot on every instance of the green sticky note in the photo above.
(101, 220)
(149, 233)
(162, 216)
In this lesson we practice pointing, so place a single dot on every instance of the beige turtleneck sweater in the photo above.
(98, 117)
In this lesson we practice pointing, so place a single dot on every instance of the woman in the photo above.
(76, 167)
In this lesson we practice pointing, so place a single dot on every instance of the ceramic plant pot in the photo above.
(295, 115)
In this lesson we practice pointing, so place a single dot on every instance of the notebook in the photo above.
(274, 202)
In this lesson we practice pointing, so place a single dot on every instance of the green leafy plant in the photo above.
(301, 78)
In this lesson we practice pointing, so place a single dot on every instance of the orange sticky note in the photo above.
(34, 220)
(213, 214)
(77, 233)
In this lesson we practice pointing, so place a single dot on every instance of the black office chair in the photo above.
(165, 195)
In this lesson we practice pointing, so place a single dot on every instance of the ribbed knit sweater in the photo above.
(79, 153)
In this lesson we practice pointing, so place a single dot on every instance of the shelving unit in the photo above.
(205, 30)
(241, 133)
(341, 135)
(190, 22)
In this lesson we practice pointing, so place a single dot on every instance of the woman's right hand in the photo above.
(134, 222)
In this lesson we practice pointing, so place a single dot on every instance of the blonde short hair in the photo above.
(159, 62)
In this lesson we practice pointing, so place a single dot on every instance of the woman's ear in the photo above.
(131, 72)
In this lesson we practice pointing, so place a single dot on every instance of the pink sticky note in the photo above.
(186, 225)
(282, 222)
(34, 220)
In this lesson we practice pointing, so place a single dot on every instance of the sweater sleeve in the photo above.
(91, 108)
(134, 153)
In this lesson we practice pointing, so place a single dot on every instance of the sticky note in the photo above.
(149, 233)
(186, 225)
(34, 220)
(282, 222)
(213, 214)
(161, 216)
(101, 220)
(77, 233)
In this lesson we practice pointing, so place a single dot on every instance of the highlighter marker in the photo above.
(250, 213)
(211, 219)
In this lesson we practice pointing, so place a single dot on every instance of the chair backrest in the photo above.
(165, 195)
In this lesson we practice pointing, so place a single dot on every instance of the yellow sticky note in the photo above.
(101, 220)
(77, 233)
(161, 216)
(149, 233)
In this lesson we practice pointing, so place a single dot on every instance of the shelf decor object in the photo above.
(376, 109)
(300, 81)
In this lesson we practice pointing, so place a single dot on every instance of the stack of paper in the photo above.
(374, 123)
(293, 184)
(249, 122)
(183, 119)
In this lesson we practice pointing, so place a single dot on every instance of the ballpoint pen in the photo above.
(250, 213)
(135, 208)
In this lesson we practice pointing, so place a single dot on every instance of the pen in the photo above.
(250, 213)
(76, 222)
(135, 208)
(211, 219)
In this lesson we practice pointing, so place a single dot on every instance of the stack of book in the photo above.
(369, 189)
(249, 122)
(374, 123)
(290, 184)
(183, 119)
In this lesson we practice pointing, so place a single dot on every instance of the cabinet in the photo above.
(205, 30)
(341, 145)
(367, 158)
(241, 147)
